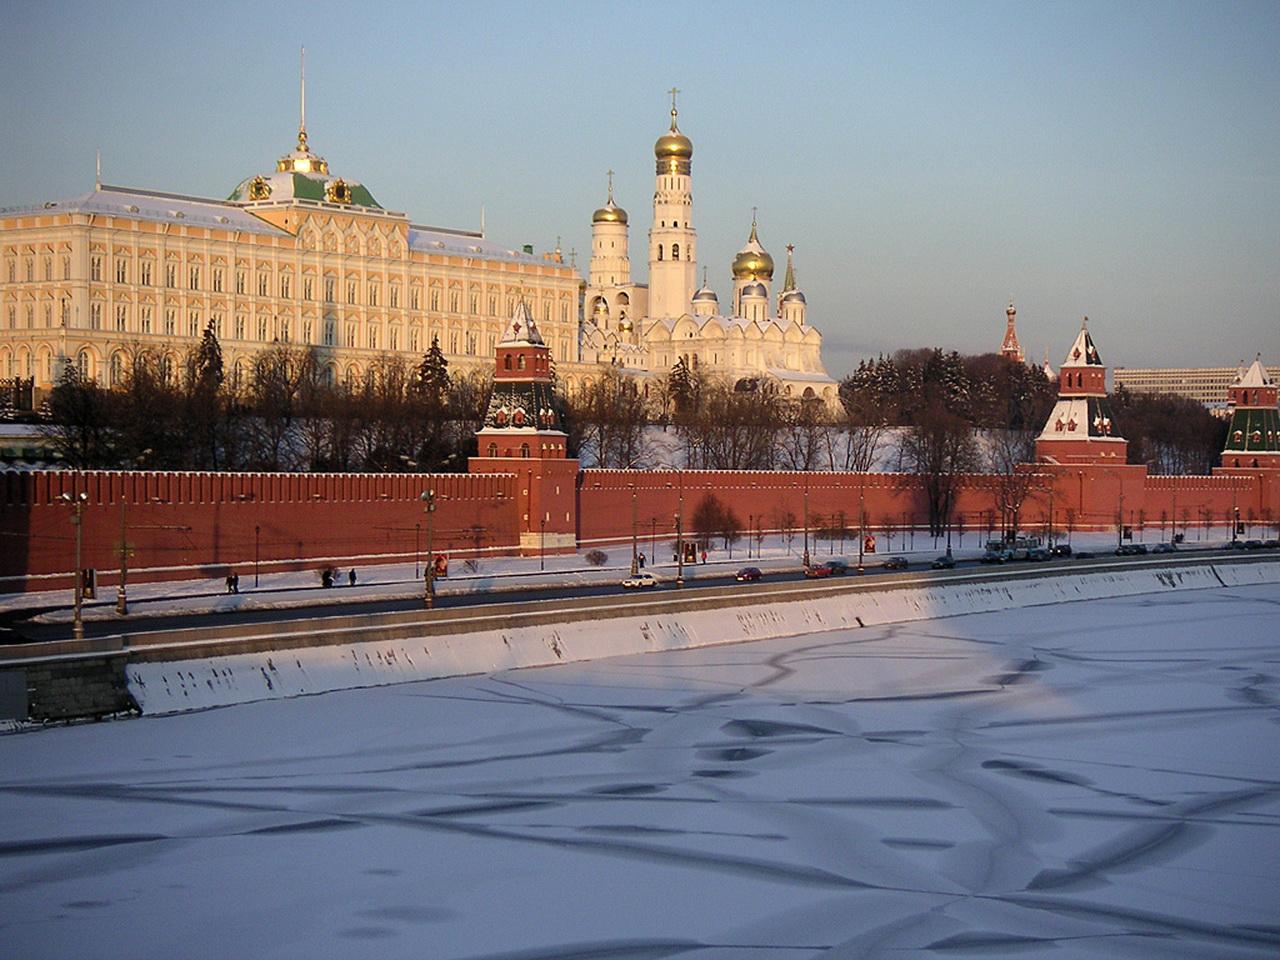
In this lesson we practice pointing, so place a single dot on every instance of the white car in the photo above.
(640, 581)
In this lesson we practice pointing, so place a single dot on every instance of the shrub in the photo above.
(597, 558)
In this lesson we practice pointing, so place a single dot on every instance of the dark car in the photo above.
(895, 563)
(1131, 549)
(1084, 555)
(1038, 555)
(838, 567)
(1233, 545)
(1162, 548)
(817, 571)
(1061, 550)
(1271, 545)
(995, 556)
(944, 562)
(748, 574)
(1253, 544)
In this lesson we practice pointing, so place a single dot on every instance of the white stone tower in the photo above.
(673, 254)
(610, 260)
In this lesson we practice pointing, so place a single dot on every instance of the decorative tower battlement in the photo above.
(1253, 438)
(1081, 428)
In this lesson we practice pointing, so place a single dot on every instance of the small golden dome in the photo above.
(609, 213)
(625, 325)
(753, 261)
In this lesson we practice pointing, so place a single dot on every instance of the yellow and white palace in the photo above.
(299, 255)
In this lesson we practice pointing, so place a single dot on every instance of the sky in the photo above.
(928, 160)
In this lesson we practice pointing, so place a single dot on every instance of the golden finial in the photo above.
(302, 101)
(610, 186)
(673, 91)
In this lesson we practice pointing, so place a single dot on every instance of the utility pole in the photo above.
(77, 503)
(428, 497)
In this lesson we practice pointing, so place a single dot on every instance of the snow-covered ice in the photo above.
(1093, 779)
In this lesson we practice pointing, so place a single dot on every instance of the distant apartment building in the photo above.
(1207, 385)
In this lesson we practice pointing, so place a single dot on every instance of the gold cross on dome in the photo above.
(673, 91)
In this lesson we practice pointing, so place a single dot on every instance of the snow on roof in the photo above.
(1083, 353)
(1255, 376)
(521, 328)
(154, 206)
(466, 244)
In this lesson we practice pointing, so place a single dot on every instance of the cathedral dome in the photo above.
(793, 296)
(706, 294)
(609, 213)
(755, 289)
(673, 145)
(753, 261)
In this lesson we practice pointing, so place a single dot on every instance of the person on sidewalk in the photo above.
(351, 577)
(230, 578)
(235, 583)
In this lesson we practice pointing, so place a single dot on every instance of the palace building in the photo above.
(645, 329)
(295, 255)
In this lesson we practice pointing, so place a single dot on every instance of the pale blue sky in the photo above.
(926, 159)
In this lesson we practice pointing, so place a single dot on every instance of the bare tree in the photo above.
(940, 449)
(1006, 450)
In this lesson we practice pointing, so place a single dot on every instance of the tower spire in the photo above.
(789, 282)
(610, 186)
(302, 100)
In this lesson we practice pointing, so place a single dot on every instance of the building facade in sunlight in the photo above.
(758, 336)
(295, 255)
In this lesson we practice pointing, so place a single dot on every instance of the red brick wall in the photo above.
(201, 524)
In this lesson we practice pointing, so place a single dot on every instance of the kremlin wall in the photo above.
(523, 495)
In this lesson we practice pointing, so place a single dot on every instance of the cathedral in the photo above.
(646, 329)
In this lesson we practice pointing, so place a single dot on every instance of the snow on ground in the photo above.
(390, 580)
(1095, 779)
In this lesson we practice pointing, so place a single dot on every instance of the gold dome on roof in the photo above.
(753, 261)
(673, 149)
(610, 212)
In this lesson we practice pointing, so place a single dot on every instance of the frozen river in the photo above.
(1084, 780)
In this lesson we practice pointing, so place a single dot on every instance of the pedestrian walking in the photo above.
(235, 583)
(351, 577)
(229, 580)
(642, 561)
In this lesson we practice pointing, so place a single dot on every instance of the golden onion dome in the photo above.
(673, 145)
(753, 261)
(625, 325)
(609, 213)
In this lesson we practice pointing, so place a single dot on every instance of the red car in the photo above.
(748, 574)
(818, 571)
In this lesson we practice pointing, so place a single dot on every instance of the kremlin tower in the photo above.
(1080, 428)
(1011, 349)
(523, 434)
(673, 252)
(1253, 439)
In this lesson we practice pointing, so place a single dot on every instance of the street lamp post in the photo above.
(257, 540)
(417, 551)
(1120, 517)
(77, 503)
(542, 544)
(750, 521)
(806, 522)
(862, 522)
(680, 531)
(122, 599)
(635, 561)
(428, 497)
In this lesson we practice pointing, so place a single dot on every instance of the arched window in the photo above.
(117, 369)
(524, 451)
(493, 449)
(659, 251)
(506, 362)
(675, 251)
(520, 362)
(82, 365)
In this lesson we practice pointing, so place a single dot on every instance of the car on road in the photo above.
(1233, 545)
(640, 581)
(838, 567)
(997, 556)
(818, 571)
(1061, 550)
(1271, 545)
(1253, 544)
(1084, 555)
(748, 575)
(895, 563)
(1038, 555)
(1131, 549)
(944, 562)
(1162, 548)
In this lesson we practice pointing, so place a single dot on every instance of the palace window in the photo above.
(453, 342)
(66, 268)
(239, 328)
(435, 299)
(328, 333)
(454, 299)
(146, 319)
(351, 334)
(193, 277)
(493, 305)
(414, 342)
(475, 303)
(121, 313)
(82, 364)
(262, 283)
(239, 282)
(329, 294)
(217, 279)
(170, 275)
(373, 337)
(393, 338)
(13, 318)
(95, 268)
(306, 331)
(286, 330)
(471, 344)
(675, 251)
(95, 316)
(285, 286)
(117, 369)
(351, 291)
(307, 290)
(395, 295)
(415, 298)
(48, 268)
(217, 325)
(193, 324)
(146, 273)
(373, 294)
(262, 328)
(170, 322)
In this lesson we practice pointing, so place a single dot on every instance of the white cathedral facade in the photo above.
(645, 329)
